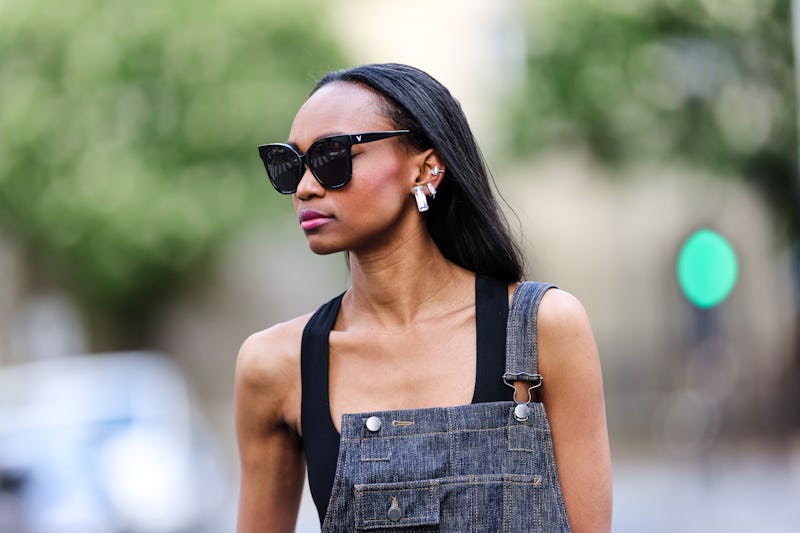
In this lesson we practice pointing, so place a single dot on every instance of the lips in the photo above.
(310, 219)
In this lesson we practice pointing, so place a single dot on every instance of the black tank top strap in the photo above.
(320, 438)
(491, 315)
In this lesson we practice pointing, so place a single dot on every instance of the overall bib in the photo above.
(482, 467)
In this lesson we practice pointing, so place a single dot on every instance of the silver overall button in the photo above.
(394, 513)
(374, 423)
(522, 412)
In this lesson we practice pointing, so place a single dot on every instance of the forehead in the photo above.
(338, 107)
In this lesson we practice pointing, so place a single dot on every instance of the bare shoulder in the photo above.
(270, 349)
(568, 356)
(562, 315)
(268, 372)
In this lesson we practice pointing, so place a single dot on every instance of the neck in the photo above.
(407, 283)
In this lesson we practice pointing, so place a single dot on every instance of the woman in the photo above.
(407, 365)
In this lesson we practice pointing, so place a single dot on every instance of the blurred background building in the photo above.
(140, 242)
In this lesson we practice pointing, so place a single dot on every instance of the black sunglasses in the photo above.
(328, 158)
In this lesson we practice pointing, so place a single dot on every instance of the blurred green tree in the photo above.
(129, 133)
(706, 81)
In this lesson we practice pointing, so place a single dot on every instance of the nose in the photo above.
(309, 186)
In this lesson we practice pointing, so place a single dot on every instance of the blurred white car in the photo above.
(106, 443)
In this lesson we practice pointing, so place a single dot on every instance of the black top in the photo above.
(320, 438)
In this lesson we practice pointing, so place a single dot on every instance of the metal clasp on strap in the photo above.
(522, 411)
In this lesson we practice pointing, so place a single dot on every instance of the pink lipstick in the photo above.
(310, 219)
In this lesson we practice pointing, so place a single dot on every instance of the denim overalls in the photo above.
(480, 467)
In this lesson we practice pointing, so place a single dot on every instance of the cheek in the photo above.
(385, 178)
(376, 199)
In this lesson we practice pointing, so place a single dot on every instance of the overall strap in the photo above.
(522, 357)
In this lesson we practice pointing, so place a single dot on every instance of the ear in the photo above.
(431, 169)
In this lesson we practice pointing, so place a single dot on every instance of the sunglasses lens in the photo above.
(330, 161)
(283, 167)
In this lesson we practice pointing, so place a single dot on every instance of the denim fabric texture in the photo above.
(456, 469)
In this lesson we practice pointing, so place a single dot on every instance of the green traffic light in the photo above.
(707, 268)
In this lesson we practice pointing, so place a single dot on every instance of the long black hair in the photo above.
(464, 220)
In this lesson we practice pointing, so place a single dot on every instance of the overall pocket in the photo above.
(397, 505)
(503, 503)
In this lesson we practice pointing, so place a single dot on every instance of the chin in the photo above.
(323, 248)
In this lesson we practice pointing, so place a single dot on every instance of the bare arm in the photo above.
(270, 450)
(573, 396)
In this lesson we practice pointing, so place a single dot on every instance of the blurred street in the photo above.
(732, 491)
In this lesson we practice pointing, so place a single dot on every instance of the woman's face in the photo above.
(376, 205)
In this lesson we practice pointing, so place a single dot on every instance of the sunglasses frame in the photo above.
(346, 139)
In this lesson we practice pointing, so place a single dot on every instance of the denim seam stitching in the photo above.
(535, 428)
(364, 458)
(431, 494)
(359, 508)
(474, 505)
(456, 432)
(451, 444)
(504, 518)
(519, 479)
